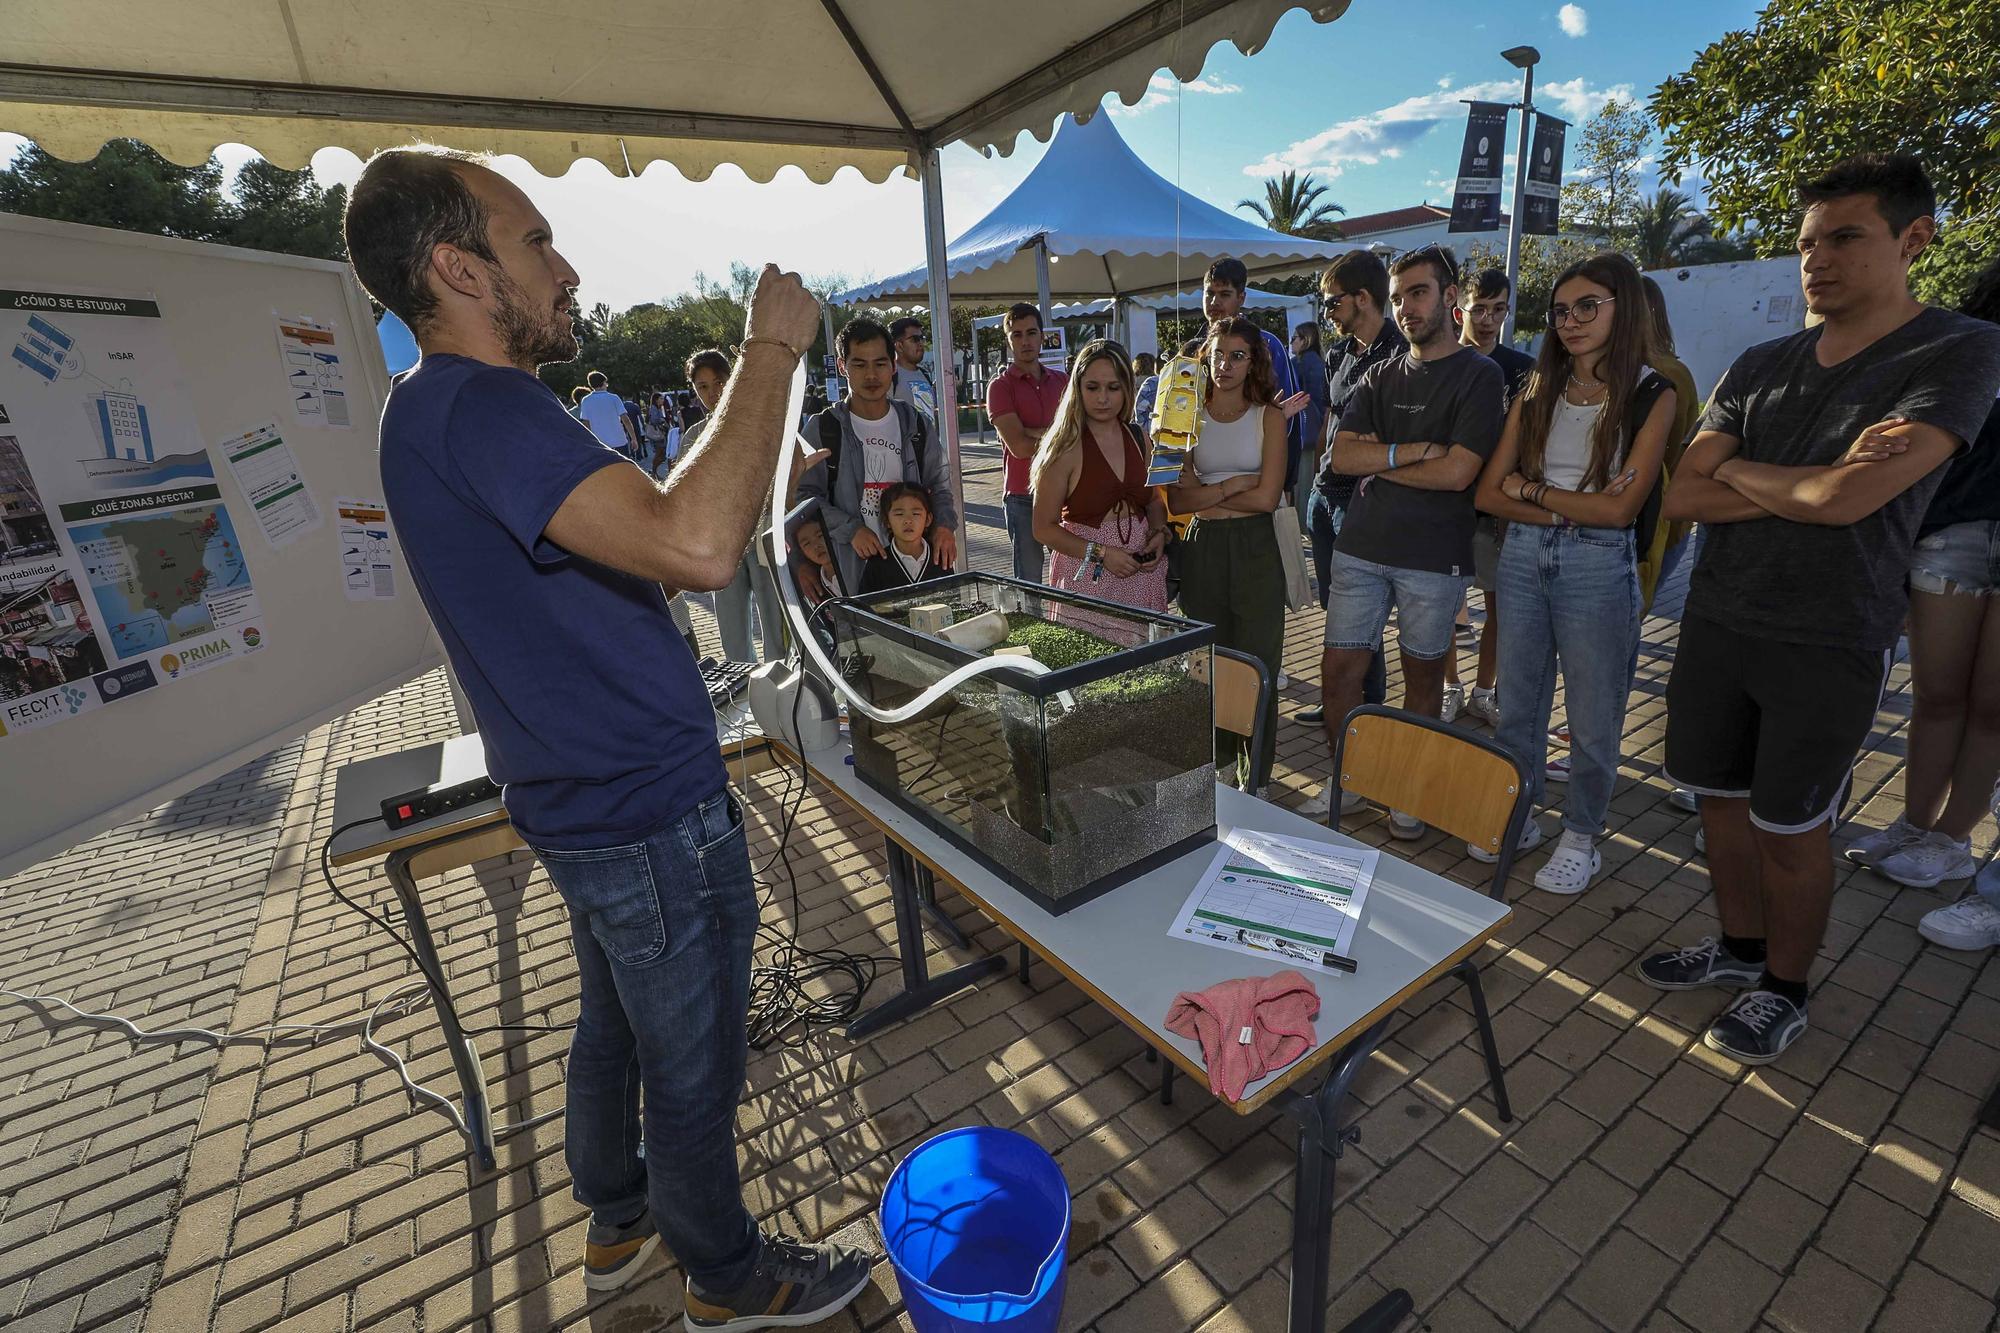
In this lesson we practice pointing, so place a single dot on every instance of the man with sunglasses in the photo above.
(1354, 298)
(913, 383)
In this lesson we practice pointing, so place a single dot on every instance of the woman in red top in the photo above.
(1104, 526)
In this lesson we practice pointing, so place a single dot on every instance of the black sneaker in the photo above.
(1757, 1028)
(1703, 964)
(793, 1285)
(613, 1256)
(1310, 717)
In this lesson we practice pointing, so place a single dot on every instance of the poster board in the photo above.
(194, 563)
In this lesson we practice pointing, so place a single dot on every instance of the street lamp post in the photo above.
(1523, 58)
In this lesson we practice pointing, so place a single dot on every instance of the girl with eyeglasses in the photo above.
(1578, 461)
(1232, 575)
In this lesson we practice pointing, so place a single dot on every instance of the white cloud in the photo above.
(1575, 22)
(1388, 133)
(1160, 91)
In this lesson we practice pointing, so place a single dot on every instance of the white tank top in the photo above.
(1230, 448)
(1566, 456)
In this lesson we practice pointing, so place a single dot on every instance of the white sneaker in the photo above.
(1871, 847)
(1970, 923)
(1927, 860)
(1701, 842)
(1557, 768)
(1405, 828)
(1531, 838)
(1572, 866)
(1680, 798)
(1349, 802)
(1454, 703)
(1484, 705)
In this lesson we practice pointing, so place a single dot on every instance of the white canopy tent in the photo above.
(816, 84)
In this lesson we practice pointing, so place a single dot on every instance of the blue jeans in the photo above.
(663, 931)
(732, 612)
(1323, 526)
(1020, 511)
(1573, 594)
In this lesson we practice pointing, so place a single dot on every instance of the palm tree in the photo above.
(1291, 205)
(1667, 230)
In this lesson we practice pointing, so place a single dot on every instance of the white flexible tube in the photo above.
(788, 591)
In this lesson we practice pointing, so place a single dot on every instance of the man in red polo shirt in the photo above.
(1022, 402)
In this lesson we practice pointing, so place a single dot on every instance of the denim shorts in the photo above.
(1963, 558)
(1360, 593)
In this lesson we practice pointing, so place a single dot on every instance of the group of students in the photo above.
(1845, 477)
(650, 432)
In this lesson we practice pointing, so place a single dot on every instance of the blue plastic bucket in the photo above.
(977, 1226)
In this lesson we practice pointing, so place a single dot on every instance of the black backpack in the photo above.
(830, 440)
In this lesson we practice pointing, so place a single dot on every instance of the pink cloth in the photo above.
(1278, 1012)
(1031, 397)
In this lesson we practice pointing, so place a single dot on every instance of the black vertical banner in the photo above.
(1542, 207)
(1475, 201)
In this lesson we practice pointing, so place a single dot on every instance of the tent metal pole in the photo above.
(1042, 281)
(826, 317)
(941, 344)
(1520, 185)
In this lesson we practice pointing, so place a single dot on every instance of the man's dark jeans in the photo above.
(663, 931)
(1324, 520)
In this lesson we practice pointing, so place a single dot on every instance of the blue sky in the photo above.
(1368, 103)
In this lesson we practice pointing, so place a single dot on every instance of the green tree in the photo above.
(1819, 80)
(1667, 229)
(130, 187)
(1607, 154)
(285, 211)
(127, 186)
(1542, 259)
(1291, 204)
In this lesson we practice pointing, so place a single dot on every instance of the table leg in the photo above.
(937, 916)
(920, 989)
(464, 1058)
(1322, 1139)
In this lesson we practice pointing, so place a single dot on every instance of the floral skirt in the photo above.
(1145, 590)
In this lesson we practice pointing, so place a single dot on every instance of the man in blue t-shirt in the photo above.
(546, 559)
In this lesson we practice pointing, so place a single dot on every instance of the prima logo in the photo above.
(171, 664)
(202, 654)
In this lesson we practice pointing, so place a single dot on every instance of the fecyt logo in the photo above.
(75, 698)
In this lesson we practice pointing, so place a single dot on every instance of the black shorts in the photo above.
(1780, 723)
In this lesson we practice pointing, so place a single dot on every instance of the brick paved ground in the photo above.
(1647, 1183)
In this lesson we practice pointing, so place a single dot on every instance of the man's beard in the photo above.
(531, 337)
(1428, 332)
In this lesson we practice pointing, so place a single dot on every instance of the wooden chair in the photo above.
(1454, 781)
(1242, 688)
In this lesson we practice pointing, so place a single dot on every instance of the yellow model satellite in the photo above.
(1176, 417)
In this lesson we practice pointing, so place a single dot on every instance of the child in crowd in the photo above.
(812, 562)
(906, 512)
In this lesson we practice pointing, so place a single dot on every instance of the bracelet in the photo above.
(797, 355)
(1392, 458)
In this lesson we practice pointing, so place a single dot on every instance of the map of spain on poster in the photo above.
(165, 575)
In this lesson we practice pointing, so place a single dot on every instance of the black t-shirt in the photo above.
(1810, 583)
(1343, 375)
(1516, 365)
(1970, 491)
(1407, 401)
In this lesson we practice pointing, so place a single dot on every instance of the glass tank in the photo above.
(1066, 784)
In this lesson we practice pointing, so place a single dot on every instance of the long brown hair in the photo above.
(1621, 367)
(1260, 386)
(1066, 431)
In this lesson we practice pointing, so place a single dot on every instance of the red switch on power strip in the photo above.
(402, 812)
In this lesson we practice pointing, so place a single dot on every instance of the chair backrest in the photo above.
(1450, 779)
(1242, 686)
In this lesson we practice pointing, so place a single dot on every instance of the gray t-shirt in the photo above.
(1809, 583)
(1406, 401)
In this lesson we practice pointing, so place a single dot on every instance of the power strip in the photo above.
(429, 802)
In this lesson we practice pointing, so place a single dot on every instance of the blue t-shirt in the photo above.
(591, 707)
